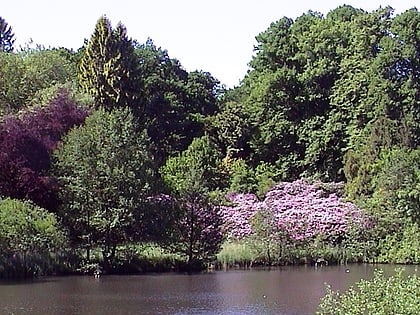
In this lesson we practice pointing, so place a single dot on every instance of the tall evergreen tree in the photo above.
(109, 67)
(6, 36)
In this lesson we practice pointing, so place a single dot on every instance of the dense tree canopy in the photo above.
(176, 102)
(319, 84)
(328, 99)
(28, 74)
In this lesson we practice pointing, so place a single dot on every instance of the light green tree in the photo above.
(29, 235)
(29, 74)
(104, 171)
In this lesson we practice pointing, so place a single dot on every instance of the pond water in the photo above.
(287, 290)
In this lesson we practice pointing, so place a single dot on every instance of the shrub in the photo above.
(300, 210)
(398, 294)
(29, 239)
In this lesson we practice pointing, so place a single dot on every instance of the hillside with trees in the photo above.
(115, 156)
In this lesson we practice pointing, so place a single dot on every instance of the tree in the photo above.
(231, 129)
(191, 176)
(195, 169)
(104, 173)
(28, 74)
(46, 68)
(386, 111)
(109, 67)
(197, 233)
(27, 143)
(13, 89)
(318, 84)
(6, 36)
(176, 102)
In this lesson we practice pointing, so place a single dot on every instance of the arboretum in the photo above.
(114, 156)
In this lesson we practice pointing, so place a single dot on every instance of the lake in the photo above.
(286, 290)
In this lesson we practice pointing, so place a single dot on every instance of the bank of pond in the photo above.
(142, 258)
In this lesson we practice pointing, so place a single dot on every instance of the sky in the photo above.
(216, 36)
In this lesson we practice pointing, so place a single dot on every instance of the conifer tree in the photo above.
(109, 68)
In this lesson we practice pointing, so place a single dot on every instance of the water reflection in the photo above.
(289, 290)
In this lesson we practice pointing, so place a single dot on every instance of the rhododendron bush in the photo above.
(300, 210)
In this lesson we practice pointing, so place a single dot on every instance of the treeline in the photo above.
(116, 145)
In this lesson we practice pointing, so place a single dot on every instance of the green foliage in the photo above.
(402, 246)
(105, 175)
(46, 95)
(195, 169)
(241, 176)
(266, 238)
(231, 129)
(243, 179)
(192, 177)
(388, 187)
(27, 74)
(397, 294)
(237, 253)
(323, 86)
(28, 236)
(176, 102)
(397, 182)
(14, 93)
(109, 67)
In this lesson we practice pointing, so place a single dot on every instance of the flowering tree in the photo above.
(301, 210)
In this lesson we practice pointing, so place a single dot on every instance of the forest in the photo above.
(114, 156)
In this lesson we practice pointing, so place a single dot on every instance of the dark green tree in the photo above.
(317, 84)
(109, 67)
(386, 111)
(6, 36)
(176, 102)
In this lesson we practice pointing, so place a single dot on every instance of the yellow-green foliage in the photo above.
(402, 247)
(27, 228)
(235, 253)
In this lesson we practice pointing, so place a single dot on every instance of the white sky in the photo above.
(217, 36)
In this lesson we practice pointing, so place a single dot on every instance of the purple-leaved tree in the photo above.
(26, 143)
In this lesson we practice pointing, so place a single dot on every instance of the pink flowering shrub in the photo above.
(301, 211)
